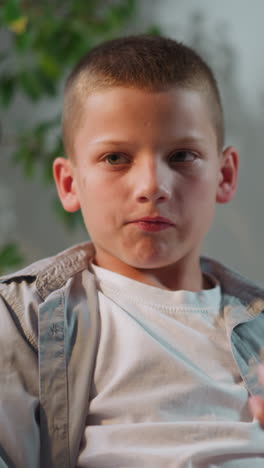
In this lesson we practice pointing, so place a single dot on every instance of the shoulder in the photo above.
(22, 292)
(234, 284)
(51, 270)
(75, 253)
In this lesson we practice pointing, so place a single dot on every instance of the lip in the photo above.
(153, 219)
(152, 223)
(151, 227)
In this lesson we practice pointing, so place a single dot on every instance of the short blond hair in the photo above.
(148, 62)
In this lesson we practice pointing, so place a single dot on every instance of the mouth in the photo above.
(154, 219)
(152, 224)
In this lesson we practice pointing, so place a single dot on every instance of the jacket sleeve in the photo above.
(19, 400)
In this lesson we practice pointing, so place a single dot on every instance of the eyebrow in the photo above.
(105, 141)
(182, 141)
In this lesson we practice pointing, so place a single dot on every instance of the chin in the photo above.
(148, 263)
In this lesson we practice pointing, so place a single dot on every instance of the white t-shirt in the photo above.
(166, 391)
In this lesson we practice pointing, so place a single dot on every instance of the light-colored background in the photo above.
(229, 34)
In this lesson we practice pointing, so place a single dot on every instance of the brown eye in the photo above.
(115, 158)
(182, 156)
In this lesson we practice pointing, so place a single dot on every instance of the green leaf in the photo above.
(27, 156)
(124, 10)
(47, 125)
(11, 11)
(24, 41)
(49, 65)
(47, 84)
(7, 89)
(116, 16)
(10, 257)
(154, 30)
(30, 84)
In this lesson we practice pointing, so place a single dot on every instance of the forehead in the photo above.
(129, 113)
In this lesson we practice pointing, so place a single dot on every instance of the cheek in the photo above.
(93, 190)
(199, 196)
(97, 202)
(204, 191)
(206, 184)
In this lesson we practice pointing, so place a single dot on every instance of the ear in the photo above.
(63, 174)
(228, 173)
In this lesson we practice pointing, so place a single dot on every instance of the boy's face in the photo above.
(146, 154)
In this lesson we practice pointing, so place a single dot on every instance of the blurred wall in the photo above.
(229, 34)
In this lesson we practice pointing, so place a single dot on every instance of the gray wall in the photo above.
(229, 34)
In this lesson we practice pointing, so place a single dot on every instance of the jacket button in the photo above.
(56, 331)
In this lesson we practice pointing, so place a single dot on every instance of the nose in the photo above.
(152, 182)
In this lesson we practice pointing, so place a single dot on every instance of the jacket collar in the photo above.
(53, 272)
(75, 259)
(65, 265)
(250, 294)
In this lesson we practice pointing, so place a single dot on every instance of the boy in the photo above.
(133, 350)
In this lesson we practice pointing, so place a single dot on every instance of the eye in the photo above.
(115, 158)
(183, 156)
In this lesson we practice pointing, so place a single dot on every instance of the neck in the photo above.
(183, 275)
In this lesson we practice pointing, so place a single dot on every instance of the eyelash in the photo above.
(194, 156)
